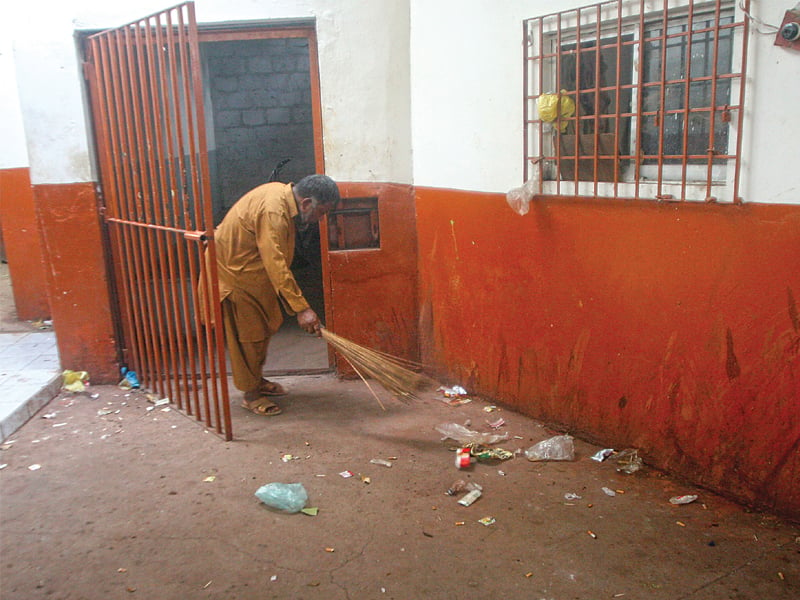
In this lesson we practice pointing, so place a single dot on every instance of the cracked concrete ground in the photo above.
(147, 504)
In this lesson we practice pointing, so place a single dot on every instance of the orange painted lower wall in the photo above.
(371, 294)
(77, 280)
(22, 244)
(672, 328)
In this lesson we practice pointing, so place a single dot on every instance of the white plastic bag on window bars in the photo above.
(519, 199)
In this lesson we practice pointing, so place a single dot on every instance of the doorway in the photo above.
(259, 91)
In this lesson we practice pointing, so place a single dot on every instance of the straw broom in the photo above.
(395, 374)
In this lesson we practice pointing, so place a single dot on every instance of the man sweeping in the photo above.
(255, 246)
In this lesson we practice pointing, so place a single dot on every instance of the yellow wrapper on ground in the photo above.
(548, 107)
(74, 380)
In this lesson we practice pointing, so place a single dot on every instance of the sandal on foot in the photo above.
(270, 388)
(262, 406)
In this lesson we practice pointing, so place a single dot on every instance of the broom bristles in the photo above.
(393, 373)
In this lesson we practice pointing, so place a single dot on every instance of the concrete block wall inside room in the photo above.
(670, 328)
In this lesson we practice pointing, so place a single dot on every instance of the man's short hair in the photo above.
(320, 187)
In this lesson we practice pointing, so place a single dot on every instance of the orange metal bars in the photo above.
(146, 91)
(654, 94)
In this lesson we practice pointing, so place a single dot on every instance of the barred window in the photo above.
(636, 99)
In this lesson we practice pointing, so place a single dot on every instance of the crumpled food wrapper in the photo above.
(75, 381)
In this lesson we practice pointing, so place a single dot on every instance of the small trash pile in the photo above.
(471, 447)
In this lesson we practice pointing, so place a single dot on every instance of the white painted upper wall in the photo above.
(466, 97)
(427, 92)
(364, 78)
(13, 153)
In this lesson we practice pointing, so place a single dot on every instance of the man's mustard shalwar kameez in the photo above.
(255, 247)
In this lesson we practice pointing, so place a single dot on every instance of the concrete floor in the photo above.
(105, 496)
(129, 502)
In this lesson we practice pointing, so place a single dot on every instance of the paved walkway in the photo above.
(29, 376)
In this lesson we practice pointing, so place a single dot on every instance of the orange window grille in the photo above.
(636, 99)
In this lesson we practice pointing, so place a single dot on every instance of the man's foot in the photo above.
(262, 406)
(270, 388)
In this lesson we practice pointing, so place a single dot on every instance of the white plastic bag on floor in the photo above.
(559, 447)
(466, 436)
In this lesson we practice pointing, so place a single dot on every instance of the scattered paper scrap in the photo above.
(346, 474)
(311, 511)
(453, 392)
(603, 454)
(210, 478)
(34, 467)
(687, 499)
(608, 491)
(487, 521)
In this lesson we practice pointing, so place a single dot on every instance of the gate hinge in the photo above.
(87, 66)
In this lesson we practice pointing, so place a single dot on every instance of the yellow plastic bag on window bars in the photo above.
(548, 106)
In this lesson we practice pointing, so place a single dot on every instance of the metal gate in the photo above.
(147, 101)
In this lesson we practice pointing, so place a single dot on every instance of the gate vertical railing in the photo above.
(146, 92)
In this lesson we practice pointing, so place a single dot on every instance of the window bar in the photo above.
(578, 114)
(540, 164)
(740, 117)
(687, 100)
(713, 112)
(557, 135)
(617, 97)
(661, 113)
(597, 50)
(526, 152)
(638, 151)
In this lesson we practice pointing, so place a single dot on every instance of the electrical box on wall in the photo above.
(789, 31)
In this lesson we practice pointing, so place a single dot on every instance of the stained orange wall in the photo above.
(371, 294)
(672, 328)
(22, 243)
(76, 278)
